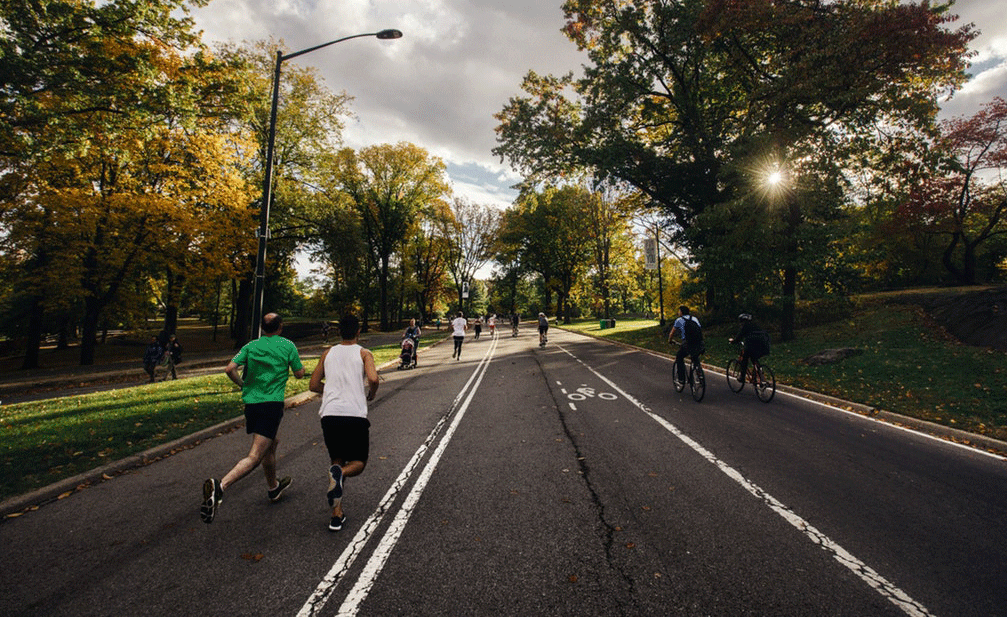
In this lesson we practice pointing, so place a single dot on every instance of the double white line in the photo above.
(380, 555)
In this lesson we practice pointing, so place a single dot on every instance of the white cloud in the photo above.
(459, 62)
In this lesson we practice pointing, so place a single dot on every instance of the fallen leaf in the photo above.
(573, 578)
(106, 476)
(65, 495)
(252, 557)
(631, 545)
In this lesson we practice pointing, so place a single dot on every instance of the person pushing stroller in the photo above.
(410, 345)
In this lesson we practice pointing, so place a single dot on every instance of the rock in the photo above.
(831, 356)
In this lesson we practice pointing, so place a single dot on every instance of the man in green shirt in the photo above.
(268, 361)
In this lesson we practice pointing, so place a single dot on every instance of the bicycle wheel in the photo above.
(697, 383)
(765, 387)
(734, 381)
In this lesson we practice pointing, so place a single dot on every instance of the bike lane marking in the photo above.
(373, 567)
(873, 579)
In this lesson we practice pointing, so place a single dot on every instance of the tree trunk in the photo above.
(383, 295)
(33, 335)
(89, 330)
(171, 302)
(789, 303)
(790, 272)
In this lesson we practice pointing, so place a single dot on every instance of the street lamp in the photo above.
(267, 183)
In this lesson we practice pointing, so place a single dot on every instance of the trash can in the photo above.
(602, 324)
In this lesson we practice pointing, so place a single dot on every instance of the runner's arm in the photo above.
(232, 372)
(316, 385)
(371, 372)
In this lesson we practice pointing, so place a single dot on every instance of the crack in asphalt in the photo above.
(607, 530)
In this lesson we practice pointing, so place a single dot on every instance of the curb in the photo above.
(16, 506)
(932, 429)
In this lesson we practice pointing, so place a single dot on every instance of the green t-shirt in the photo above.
(268, 361)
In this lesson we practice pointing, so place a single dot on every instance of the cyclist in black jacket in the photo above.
(756, 342)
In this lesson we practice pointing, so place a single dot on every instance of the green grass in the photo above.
(46, 441)
(906, 367)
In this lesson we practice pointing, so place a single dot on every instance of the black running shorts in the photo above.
(347, 438)
(263, 418)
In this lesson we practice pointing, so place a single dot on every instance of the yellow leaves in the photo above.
(253, 557)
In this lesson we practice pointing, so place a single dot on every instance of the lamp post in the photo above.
(267, 183)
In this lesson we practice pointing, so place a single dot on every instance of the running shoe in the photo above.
(335, 484)
(336, 523)
(213, 496)
(275, 493)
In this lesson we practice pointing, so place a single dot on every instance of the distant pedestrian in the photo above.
(172, 357)
(152, 357)
(543, 329)
(339, 378)
(268, 361)
(459, 325)
(493, 324)
(478, 327)
(325, 331)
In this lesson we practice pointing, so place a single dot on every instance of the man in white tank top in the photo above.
(340, 378)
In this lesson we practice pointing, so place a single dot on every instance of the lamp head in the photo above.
(389, 34)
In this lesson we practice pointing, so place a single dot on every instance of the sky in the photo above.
(457, 63)
(460, 61)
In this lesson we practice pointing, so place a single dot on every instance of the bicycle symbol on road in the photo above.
(583, 393)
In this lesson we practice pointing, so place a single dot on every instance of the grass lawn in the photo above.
(46, 441)
(907, 365)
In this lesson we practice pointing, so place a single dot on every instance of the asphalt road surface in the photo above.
(565, 480)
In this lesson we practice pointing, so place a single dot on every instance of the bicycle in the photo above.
(696, 378)
(761, 376)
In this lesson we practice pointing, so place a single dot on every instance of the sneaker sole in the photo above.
(335, 492)
(338, 526)
(211, 500)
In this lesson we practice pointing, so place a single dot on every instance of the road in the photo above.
(568, 480)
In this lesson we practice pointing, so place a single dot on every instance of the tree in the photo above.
(679, 95)
(91, 94)
(964, 200)
(470, 234)
(309, 125)
(608, 213)
(548, 229)
(427, 256)
(390, 187)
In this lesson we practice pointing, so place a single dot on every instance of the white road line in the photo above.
(380, 555)
(860, 416)
(327, 586)
(867, 574)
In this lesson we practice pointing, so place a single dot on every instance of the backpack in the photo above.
(693, 334)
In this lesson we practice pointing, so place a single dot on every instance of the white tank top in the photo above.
(344, 393)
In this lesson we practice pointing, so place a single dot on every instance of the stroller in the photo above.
(407, 359)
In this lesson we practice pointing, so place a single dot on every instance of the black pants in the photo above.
(684, 351)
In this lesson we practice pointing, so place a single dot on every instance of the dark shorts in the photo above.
(543, 329)
(347, 438)
(263, 418)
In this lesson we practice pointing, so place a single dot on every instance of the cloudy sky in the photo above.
(459, 61)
